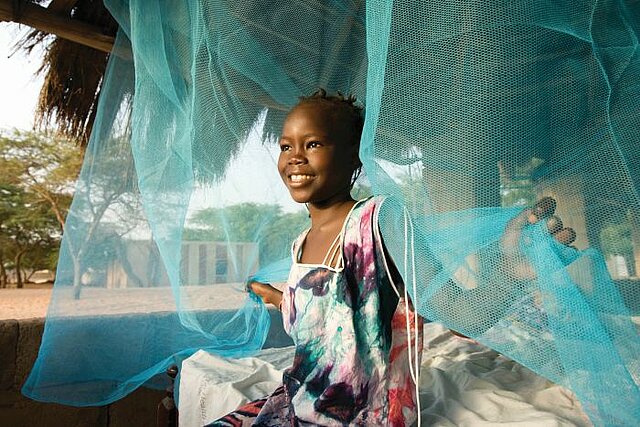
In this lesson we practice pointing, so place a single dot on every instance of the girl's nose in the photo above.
(296, 158)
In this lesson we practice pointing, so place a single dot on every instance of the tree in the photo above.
(106, 205)
(28, 228)
(37, 174)
(279, 235)
(8, 207)
(44, 166)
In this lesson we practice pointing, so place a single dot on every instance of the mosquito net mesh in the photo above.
(473, 110)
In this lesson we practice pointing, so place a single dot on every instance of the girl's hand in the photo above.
(543, 210)
(266, 292)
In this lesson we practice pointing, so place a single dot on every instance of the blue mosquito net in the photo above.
(473, 110)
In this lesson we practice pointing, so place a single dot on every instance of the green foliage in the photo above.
(264, 224)
(280, 234)
(37, 174)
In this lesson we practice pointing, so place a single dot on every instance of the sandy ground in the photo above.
(24, 303)
(34, 302)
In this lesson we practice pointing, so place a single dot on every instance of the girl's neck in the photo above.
(325, 215)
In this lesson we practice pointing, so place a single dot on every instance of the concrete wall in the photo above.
(19, 343)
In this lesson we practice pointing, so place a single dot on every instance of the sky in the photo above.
(19, 88)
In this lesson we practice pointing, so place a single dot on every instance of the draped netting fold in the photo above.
(473, 110)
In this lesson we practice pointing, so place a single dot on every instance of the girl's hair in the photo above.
(346, 108)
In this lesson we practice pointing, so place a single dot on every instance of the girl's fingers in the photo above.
(516, 263)
(260, 288)
(543, 208)
(562, 234)
(566, 236)
(266, 292)
(513, 230)
(554, 224)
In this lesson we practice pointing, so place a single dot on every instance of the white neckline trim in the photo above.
(295, 252)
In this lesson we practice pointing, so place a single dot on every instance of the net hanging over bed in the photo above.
(473, 110)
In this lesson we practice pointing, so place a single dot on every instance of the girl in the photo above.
(344, 306)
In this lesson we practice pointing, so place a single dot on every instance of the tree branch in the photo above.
(45, 195)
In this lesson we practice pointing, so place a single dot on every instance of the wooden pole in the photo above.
(45, 20)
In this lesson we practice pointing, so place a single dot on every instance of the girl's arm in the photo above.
(481, 306)
(486, 304)
(266, 292)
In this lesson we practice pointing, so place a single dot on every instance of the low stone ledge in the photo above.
(8, 347)
(29, 339)
(19, 345)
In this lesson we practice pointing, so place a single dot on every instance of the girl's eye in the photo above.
(313, 144)
(285, 147)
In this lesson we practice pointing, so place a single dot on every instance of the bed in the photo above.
(462, 383)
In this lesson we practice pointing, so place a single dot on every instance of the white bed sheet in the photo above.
(462, 383)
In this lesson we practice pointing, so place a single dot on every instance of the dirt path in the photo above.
(24, 303)
(29, 303)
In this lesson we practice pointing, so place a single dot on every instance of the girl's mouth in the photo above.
(300, 178)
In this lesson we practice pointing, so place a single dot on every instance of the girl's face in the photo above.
(317, 158)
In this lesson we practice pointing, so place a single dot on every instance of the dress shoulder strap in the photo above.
(333, 251)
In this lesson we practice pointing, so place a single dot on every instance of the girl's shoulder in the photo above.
(363, 218)
(370, 209)
(367, 204)
(364, 227)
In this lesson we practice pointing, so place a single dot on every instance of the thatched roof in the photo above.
(78, 35)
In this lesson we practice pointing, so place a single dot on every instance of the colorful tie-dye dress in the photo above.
(349, 327)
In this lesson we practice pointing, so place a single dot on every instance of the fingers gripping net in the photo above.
(473, 111)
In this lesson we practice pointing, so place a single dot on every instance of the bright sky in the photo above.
(19, 88)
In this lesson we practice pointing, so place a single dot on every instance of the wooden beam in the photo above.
(62, 6)
(42, 19)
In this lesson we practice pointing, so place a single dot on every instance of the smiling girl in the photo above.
(343, 304)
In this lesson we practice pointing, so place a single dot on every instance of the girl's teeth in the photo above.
(300, 178)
